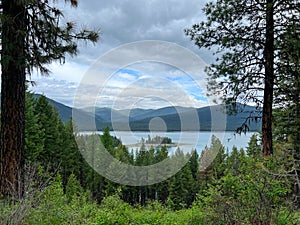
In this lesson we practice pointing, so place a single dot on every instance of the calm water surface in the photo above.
(187, 140)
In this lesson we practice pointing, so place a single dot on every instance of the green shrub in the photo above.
(247, 195)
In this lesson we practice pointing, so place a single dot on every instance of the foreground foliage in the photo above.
(54, 207)
(237, 188)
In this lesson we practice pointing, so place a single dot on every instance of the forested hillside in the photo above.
(217, 186)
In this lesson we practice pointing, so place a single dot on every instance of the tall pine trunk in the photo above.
(12, 98)
(269, 82)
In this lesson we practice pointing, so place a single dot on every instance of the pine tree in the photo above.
(32, 35)
(73, 188)
(234, 161)
(218, 163)
(212, 163)
(34, 132)
(254, 148)
(48, 119)
(181, 188)
(162, 188)
(96, 182)
(287, 111)
(108, 141)
(247, 35)
(141, 160)
(72, 161)
(194, 164)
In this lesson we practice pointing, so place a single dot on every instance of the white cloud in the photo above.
(126, 76)
(121, 22)
(60, 90)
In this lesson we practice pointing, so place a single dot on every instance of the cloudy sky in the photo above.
(166, 74)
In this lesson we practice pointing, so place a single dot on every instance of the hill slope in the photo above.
(168, 118)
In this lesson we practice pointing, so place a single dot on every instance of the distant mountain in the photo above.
(171, 118)
(66, 112)
(136, 112)
(150, 113)
(198, 119)
(176, 119)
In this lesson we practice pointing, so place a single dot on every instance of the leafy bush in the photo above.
(55, 207)
(246, 195)
(115, 211)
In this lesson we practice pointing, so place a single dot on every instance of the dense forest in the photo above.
(221, 186)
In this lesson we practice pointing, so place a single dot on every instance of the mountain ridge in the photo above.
(171, 118)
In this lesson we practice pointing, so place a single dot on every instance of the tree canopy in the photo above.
(32, 36)
(249, 41)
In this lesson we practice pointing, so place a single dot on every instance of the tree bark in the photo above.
(12, 98)
(269, 81)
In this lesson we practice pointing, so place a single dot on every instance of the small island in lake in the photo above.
(155, 142)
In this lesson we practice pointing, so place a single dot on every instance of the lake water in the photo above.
(187, 140)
